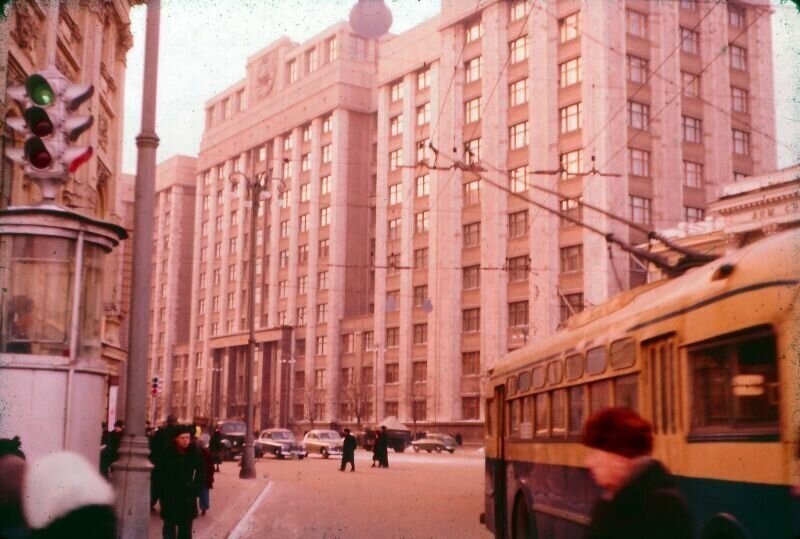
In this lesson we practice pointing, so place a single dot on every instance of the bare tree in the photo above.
(417, 392)
(309, 402)
(356, 393)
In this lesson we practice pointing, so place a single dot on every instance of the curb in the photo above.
(241, 527)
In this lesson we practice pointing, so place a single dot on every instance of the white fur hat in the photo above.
(59, 483)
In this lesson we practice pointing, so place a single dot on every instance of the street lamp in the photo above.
(258, 186)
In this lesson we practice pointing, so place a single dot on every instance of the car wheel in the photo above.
(416, 449)
(300, 457)
(523, 524)
(226, 454)
(451, 451)
(428, 450)
(280, 455)
(438, 449)
(325, 453)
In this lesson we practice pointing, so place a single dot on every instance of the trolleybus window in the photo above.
(623, 354)
(626, 392)
(524, 381)
(735, 385)
(538, 377)
(599, 396)
(574, 366)
(555, 372)
(596, 360)
(576, 410)
(542, 415)
(558, 415)
(490, 417)
(527, 418)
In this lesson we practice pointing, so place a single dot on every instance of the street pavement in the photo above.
(420, 495)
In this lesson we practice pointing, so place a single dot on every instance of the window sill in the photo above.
(706, 437)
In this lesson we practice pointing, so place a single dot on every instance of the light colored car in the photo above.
(323, 442)
(280, 443)
(435, 442)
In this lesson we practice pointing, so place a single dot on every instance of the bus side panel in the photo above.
(763, 510)
(492, 469)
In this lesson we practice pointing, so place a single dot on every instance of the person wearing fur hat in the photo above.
(180, 475)
(639, 497)
(12, 470)
(65, 496)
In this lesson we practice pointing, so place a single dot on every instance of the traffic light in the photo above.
(48, 100)
(155, 386)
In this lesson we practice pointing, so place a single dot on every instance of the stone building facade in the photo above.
(392, 274)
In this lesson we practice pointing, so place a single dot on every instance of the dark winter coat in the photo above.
(179, 479)
(381, 453)
(208, 462)
(648, 505)
(349, 447)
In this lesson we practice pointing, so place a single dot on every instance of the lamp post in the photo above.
(258, 187)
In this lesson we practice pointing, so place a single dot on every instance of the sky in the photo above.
(204, 46)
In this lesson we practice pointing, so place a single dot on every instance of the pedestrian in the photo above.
(159, 442)
(205, 491)
(639, 497)
(110, 451)
(382, 448)
(180, 474)
(64, 496)
(349, 445)
(215, 445)
(12, 470)
(459, 439)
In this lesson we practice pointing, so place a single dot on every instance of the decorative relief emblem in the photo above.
(102, 132)
(265, 79)
(26, 27)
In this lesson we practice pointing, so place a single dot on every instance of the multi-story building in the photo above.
(393, 272)
(173, 244)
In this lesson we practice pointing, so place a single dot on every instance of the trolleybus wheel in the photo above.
(522, 524)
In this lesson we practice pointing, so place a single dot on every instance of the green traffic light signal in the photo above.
(39, 90)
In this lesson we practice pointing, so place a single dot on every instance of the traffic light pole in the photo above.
(132, 471)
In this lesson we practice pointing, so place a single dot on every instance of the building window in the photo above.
(518, 224)
(571, 117)
(327, 153)
(640, 208)
(327, 124)
(232, 272)
(471, 320)
(470, 363)
(738, 100)
(284, 259)
(420, 333)
(518, 9)
(424, 114)
(518, 178)
(569, 27)
(736, 16)
(570, 207)
(305, 162)
(392, 337)
(218, 223)
(518, 92)
(518, 314)
(638, 115)
(324, 185)
(421, 222)
(518, 49)
(423, 186)
(692, 215)
(283, 287)
(571, 304)
(216, 277)
(233, 244)
(396, 125)
(472, 234)
(395, 159)
(473, 70)
(692, 174)
(319, 378)
(472, 149)
(331, 50)
(638, 162)
(689, 5)
(291, 71)
(421, 258)
(572, 258)
(571, 164)
(307, 133)
(231, 300)
(324, 245)
(637, 69)
(518, 136)
(690, 41)
(304, 223)
(395, 194)
(324, 216)
(322, 280)
(284, 228)
(636, 23)
(396, 91)
(692, 129)
(322, 342)
(472, 110)
(691, 84)
(311, 60)
(420, 295)
(470, 408)
(518, 268)
(471, 193)
(741, 142)
(424, 79)
(393, 229)
(287, 167)
(471, 277)
(569, 72)
(738, 57)
(473, 32)
(322, 313)
(302, 254)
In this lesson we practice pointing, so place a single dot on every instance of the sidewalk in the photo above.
(231, 497)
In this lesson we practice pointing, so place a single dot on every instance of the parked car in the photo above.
(233, 433)
(323, 442)
(435, 442)
(280, 443)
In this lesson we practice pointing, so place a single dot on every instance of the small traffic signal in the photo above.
(155, 386)
(47, 100)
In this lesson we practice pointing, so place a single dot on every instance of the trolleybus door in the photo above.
(500, 469)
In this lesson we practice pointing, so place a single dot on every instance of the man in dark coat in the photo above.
(382, 448)
(215, 445)
(640, 498)
(180, 476)
(159, 442)
(349, 451)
